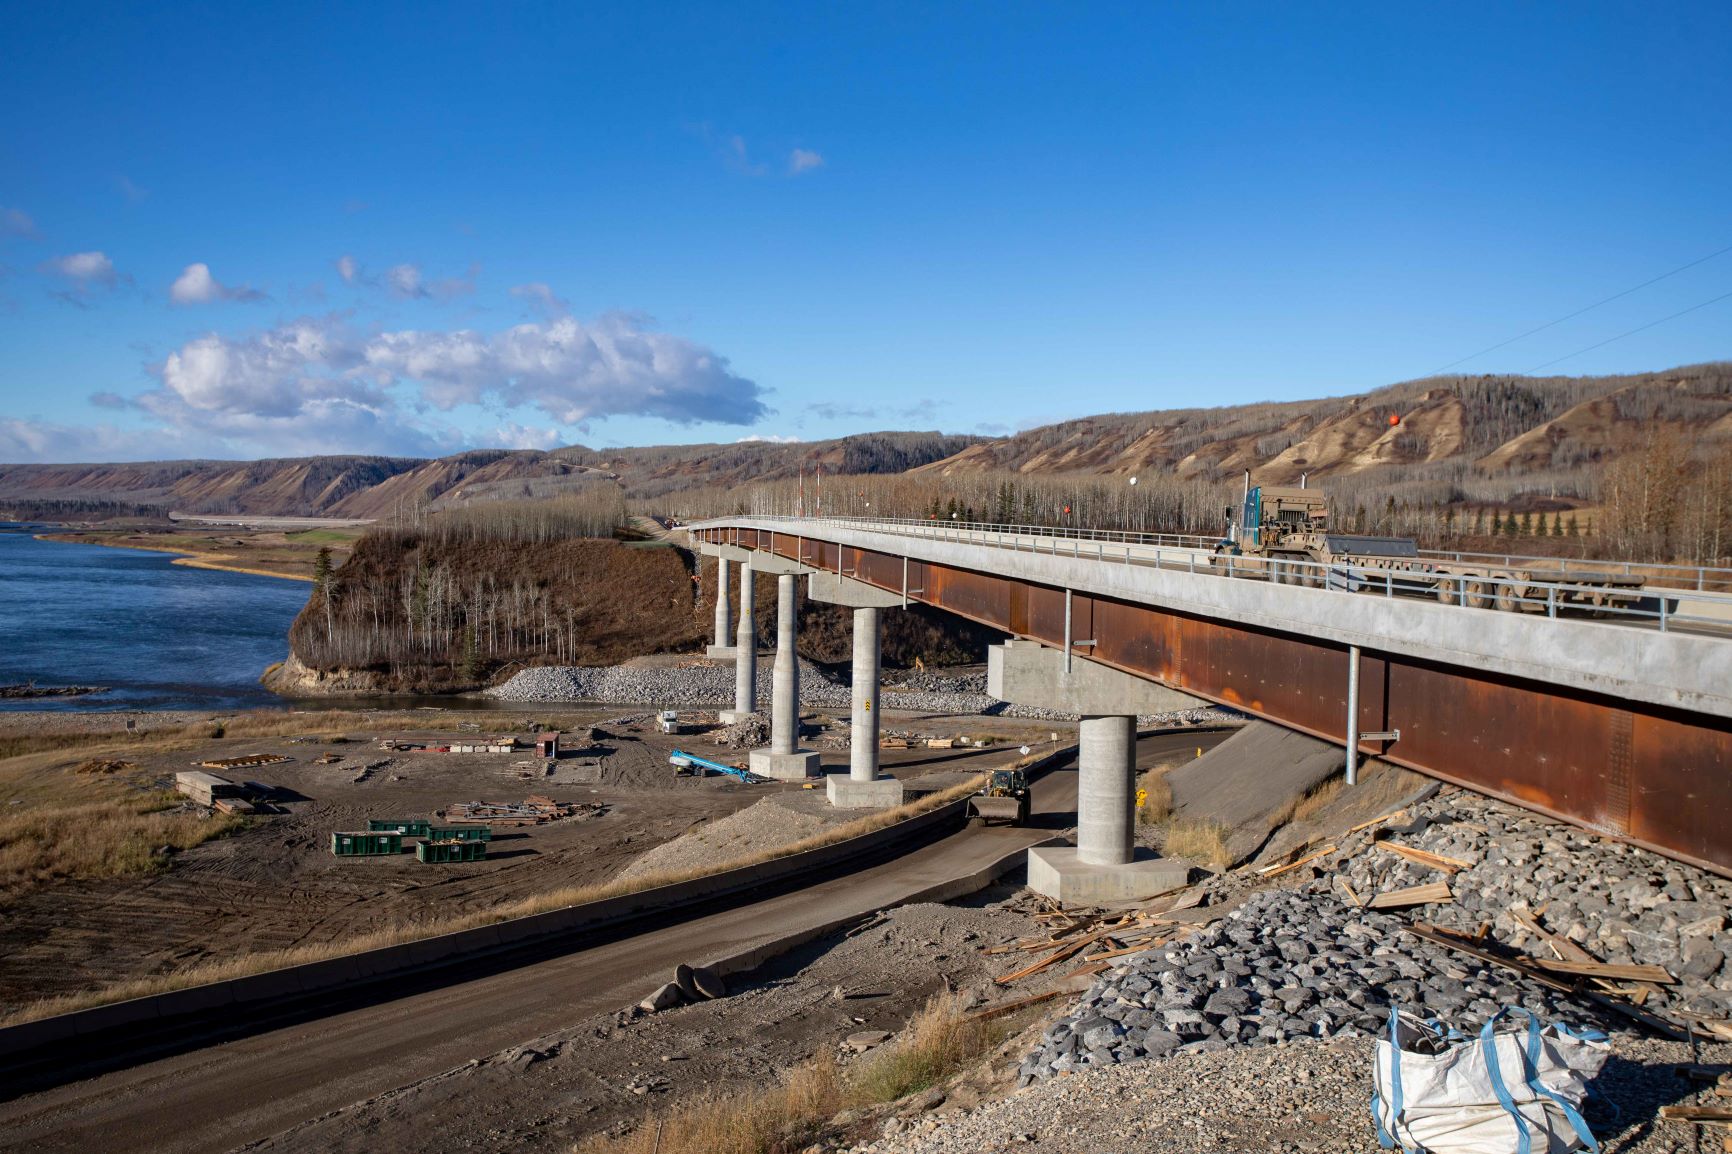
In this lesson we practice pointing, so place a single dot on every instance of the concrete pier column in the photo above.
(863, 788)
(724, 611)
(863, 722)
(785, 760)
(1106, 805)
(785, 677)
(745, 654)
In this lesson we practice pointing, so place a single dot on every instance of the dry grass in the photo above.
(1318, 799)
(1157, 804)
(104, 839)
(1200, 840)
(262, 962)
(936, 1043)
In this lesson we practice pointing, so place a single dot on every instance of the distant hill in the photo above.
(1492, 424)
(1487, 436)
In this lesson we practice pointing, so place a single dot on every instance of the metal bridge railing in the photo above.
(1700, 610)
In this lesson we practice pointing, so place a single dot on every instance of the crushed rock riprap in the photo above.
(1284, 966)
(713, 684)
(1618, 902)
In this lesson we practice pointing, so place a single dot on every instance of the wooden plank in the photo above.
(1012, 1007)
(1428, 894)
(1358, 902)
(1277, 871)
(1613, 970)
(1566, 950)
(1070, 950)
(1436, 861)
(1376, 820)
(1691, 1113)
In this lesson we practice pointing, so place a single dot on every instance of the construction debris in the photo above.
(1411, 896)
(248, 762)
(535, 810)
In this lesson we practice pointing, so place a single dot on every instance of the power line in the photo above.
(1631, 333)
(1580, 311)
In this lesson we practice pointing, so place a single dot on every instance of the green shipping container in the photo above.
(372, 843)
(461, 833)
(439, 852)
(412, 827)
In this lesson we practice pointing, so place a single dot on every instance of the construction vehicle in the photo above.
(1004, 797)
(684, 762)
(1282, 535)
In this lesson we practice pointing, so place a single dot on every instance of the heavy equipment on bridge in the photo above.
(1004, 798)
(1282, 534)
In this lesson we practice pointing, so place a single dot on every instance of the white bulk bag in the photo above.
(1504, 1092)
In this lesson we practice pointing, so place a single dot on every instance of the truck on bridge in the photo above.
(1282, 534)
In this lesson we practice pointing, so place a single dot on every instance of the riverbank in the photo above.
(289, 556)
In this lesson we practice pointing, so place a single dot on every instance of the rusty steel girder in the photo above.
(1658, 778)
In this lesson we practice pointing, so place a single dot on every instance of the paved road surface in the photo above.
(241, 1091)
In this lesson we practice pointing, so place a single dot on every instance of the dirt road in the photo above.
(248, 1090)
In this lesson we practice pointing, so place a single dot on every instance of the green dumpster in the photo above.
(461, 833)
(368, 843)
(408, 827)
(440, 852)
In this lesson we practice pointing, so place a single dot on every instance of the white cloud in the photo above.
(542, 298)
(83, 267)
(803, 160)
(407, 281)
(16, 222)
(24, 441)
(769, 438)
(512, 435)
(196, 285)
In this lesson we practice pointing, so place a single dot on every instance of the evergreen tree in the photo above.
(1557, 524)
(1573, 531)
(322, 568)
(1527, 525)
(1510, 526)
(1496, 523)
(1479, 522)
(470, 669)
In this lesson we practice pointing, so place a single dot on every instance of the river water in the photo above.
(161, 636)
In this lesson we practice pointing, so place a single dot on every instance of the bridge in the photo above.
(1619, 721)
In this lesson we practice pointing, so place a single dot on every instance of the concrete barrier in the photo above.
(233, 995)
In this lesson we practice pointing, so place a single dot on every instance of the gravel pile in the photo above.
(1303, 1098)
(713, 685)
(765, 825)
(1285, 965)
(1618, 902)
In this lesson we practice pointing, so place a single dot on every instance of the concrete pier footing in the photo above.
(849, 792)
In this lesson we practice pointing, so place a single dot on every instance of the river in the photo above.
(159, 635)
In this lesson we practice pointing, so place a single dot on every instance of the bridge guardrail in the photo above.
(1664, 607)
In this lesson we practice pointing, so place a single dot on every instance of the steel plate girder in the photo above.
(1658, 778)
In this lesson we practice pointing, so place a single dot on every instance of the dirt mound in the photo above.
(763, 826)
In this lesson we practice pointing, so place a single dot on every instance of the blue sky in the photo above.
(233, 230)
